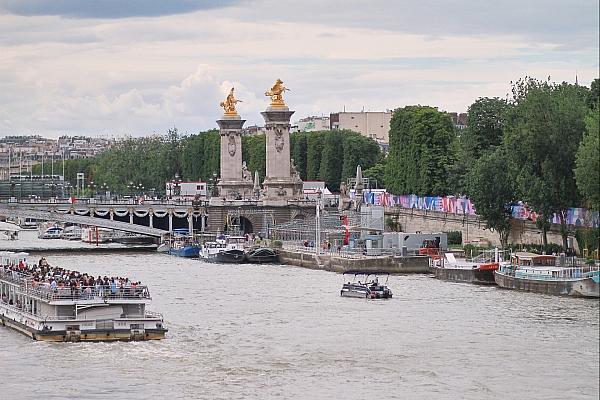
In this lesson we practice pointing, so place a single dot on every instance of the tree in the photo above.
(486, 119)
(331, 160)
(376, 172)
(543, 132)
(254, 153)
(358, 150)
(420, 138)
(587, 170)
(491, 188)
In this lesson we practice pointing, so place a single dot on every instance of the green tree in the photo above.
(331, 157)
(587, 170)
(542, 135)
(486, 119)
(299, 149)
(376, 172)
(491, 188)
(254, 153)
(419, 153)
(314, 148)
(357, 150)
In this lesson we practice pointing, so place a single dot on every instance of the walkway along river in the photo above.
(281, 332)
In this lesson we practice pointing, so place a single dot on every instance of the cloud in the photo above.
(147, 74)
(108, 8)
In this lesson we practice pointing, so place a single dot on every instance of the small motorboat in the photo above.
(71, 233)
(51, 232)
(368, 289)
(262, 255)
(231, 256)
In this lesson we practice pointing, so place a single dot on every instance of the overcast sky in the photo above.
(136, 67)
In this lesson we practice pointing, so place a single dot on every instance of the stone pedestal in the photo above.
(235, 182)
(281, 181)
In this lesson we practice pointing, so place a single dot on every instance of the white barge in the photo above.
(73, 313)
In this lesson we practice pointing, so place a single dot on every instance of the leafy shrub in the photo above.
(454, 238)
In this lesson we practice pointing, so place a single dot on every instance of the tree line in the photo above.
(150, 162)
(540, 146)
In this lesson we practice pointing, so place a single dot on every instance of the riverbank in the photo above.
(335, 263)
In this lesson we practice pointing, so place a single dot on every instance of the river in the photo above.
(279, 332)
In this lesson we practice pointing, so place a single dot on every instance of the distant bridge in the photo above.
(128, 217)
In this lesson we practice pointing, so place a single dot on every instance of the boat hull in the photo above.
(187, 252)
(93, 335)
(230, 257)
(586, 287)
(351, 293)
(476, 276)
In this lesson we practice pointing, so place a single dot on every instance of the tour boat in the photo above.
(47, 312)
(184, 246)
(93, 234)
(449, 268)
(549, 274)
(71, 233)
(369, 289)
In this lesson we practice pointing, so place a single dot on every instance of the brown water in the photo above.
(278, 332)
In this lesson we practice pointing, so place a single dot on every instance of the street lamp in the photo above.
(213, 188)
(104, 188)
(92, 188)
(318, 222)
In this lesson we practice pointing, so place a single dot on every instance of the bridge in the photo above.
(154, 219)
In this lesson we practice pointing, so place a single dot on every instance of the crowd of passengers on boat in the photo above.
(63, 283)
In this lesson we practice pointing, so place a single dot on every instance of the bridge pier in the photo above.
(111, 214)
(170, 220)
(190, 224)
(150, 215)
(131, 216)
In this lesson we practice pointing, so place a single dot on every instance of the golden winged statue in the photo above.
(229, 103)
(276, 94)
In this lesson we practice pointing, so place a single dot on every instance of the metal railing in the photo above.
(100, 292)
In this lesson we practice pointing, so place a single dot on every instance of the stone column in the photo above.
(281, 181)
(232, 183)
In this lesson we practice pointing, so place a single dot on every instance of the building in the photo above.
(459, 120)
(371, 124)
(253, 130)
(187, 190)
(313, 124)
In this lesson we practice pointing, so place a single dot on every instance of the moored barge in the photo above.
(549, 274)
(480, 271)
(49, 311)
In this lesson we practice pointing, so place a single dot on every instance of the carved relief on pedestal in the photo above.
(281, 192)
(231, 146)
(279, 142)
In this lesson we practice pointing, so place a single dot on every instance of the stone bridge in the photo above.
(154, 218)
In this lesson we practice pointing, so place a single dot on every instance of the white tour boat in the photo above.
(210, 250)
(74, 312)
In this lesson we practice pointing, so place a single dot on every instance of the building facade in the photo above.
(371, 124)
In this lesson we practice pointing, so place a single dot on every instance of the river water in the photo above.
(281, 332)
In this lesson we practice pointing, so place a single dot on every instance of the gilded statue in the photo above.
(276, 94)
(229, 103)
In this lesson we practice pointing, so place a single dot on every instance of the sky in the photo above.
(139, 67)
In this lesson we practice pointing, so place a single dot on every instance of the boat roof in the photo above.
(363, 272)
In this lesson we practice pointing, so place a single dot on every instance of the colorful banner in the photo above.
(462, 205)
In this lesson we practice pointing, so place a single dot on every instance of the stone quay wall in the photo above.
(472, 226)
(327, 262)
